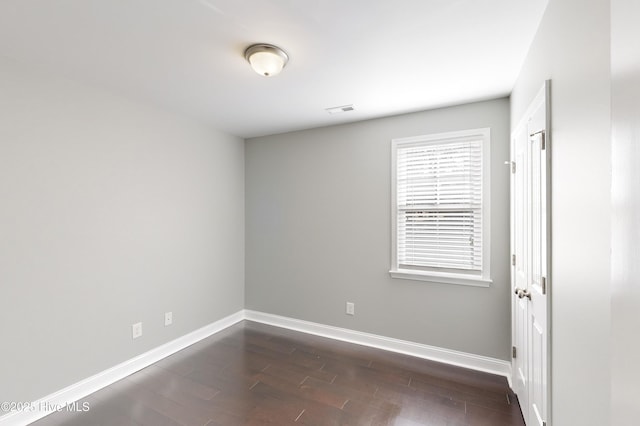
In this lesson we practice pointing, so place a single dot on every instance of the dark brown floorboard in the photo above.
(254, 374)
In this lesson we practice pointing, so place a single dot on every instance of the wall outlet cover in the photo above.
(136, 330)
(351, 308)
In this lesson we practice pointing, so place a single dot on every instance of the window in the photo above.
(440, 208)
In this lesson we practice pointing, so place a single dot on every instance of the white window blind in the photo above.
(439, 204)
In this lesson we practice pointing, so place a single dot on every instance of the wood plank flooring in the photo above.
(254, 374)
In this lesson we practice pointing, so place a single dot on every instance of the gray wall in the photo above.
(318, 233)
(112, 213)
(572, 49)
(625, 202)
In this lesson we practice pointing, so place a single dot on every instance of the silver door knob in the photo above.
(524, 293)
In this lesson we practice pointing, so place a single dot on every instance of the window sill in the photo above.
(458, 279)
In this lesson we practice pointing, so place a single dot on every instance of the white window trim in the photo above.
(478, 280)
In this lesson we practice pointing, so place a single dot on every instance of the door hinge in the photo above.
(543, 282)
(513, 167)
(513, 260)
(543, 142)
(513, 351)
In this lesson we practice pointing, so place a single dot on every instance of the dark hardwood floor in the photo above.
(254, 374)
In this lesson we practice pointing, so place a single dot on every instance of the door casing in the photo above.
(531, 256)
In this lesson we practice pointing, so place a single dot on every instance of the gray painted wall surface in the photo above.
(112, 213)
(625, 203)
(318, 233)
(572, 49)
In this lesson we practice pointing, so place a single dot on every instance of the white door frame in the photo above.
(535, 128)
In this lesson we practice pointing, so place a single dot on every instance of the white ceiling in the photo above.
(385, 57)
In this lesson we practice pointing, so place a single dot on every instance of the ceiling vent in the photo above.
(340, 109)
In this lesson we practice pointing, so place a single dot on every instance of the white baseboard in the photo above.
(447, 356)
(60, 399)
(83, 388)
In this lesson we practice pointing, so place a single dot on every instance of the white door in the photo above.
(520, 238)
(530, 275)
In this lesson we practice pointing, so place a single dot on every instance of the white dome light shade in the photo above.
(266, 59)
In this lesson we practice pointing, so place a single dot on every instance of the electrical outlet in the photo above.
(136, 330)
(168, 318)
(351, 308)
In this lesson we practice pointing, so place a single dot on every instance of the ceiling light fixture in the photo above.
(266, 59)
